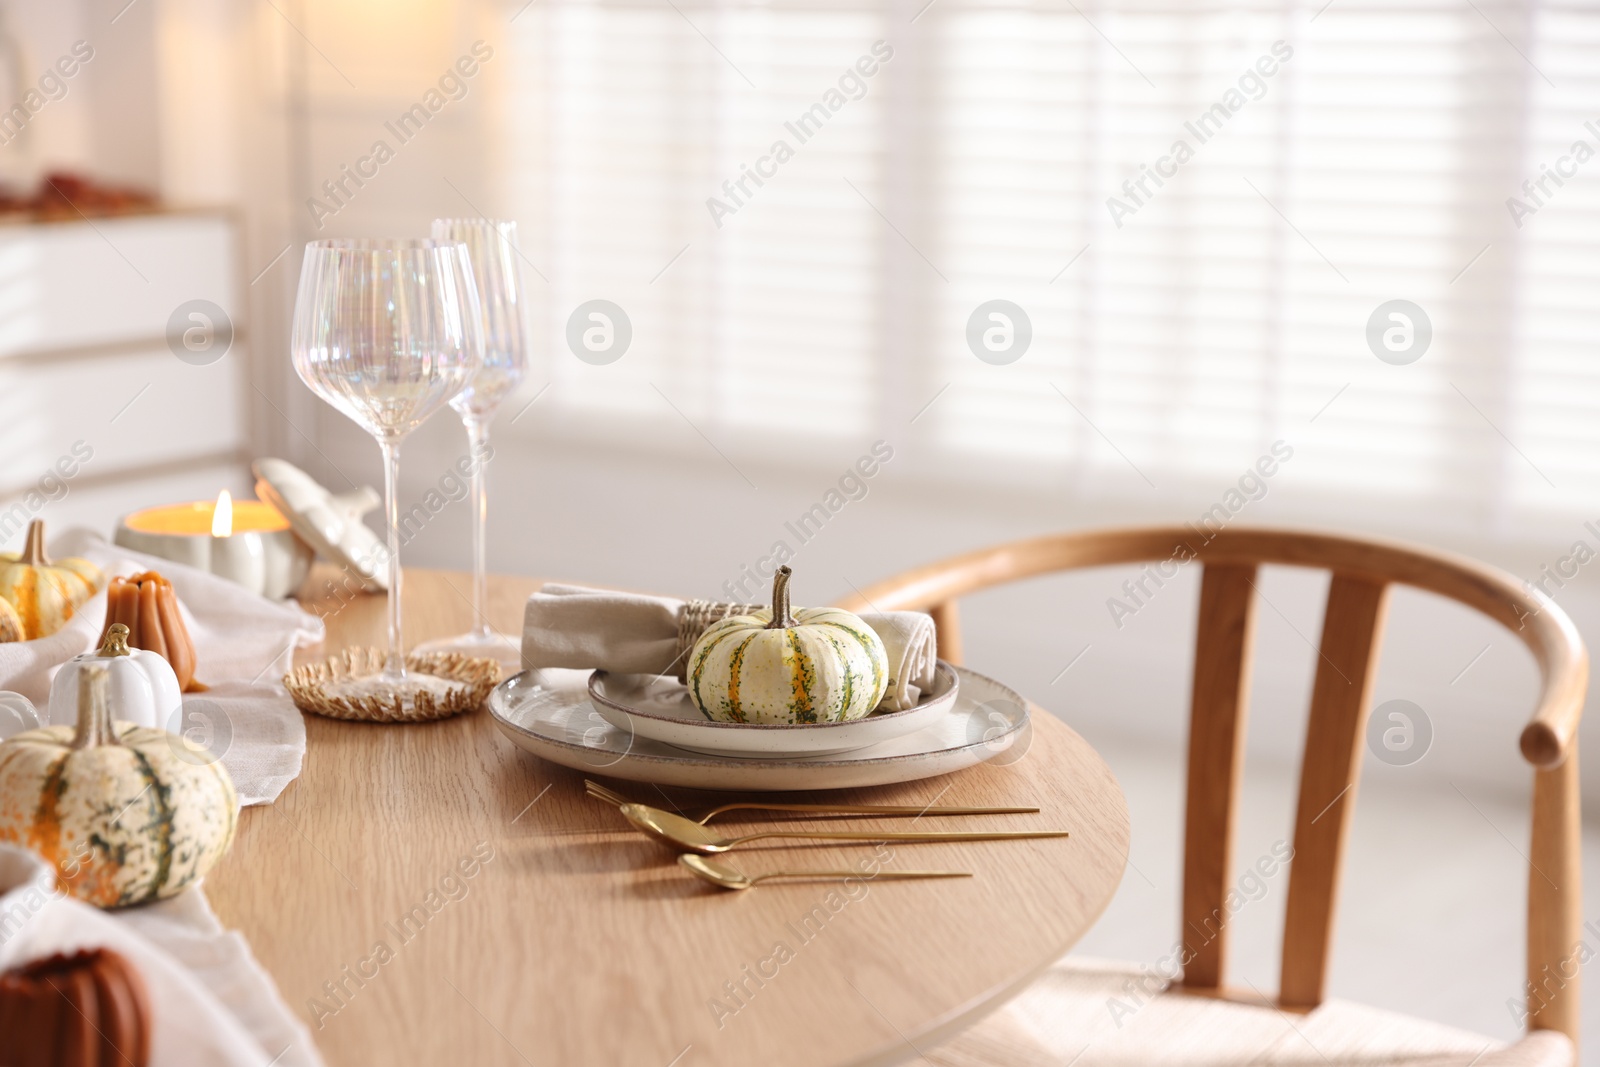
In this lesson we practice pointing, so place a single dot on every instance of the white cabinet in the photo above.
(91, 385)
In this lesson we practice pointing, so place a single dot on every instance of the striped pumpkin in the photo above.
(126, 814)
(813, 665)
(45, 594)
(10, 623)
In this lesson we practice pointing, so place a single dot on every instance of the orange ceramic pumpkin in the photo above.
(85, 1010)
(148, 606)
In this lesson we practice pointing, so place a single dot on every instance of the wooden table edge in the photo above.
(943, 1028)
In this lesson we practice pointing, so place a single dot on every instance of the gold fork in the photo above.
(683, 834)
(600, 792)
(728, 876)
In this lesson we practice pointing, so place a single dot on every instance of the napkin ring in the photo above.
(695, 617)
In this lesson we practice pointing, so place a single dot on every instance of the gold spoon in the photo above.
(683, 833)
(721, 874)
(600, 792)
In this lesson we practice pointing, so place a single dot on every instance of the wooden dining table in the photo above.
(431, 894)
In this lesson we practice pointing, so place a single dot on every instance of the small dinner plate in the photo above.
(550, 714)
(658, 707)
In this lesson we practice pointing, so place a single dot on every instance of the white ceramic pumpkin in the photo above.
(144, 688)
(787, 667)
(125, 814)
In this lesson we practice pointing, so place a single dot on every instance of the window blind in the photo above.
(1188, 306)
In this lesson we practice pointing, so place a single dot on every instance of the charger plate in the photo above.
(658, 707)
(550, 714)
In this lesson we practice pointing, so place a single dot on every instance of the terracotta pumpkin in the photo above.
(10, 623)
(125, 813)
(148, 606)
(89, 1009)
(44, 593)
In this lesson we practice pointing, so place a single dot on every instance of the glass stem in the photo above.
(394, 667)
(478, 443)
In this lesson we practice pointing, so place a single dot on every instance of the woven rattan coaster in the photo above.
(348, 686)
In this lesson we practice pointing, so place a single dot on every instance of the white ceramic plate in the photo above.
(658, 707)
(550, 714)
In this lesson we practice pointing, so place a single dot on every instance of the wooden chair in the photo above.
(1067, 1003)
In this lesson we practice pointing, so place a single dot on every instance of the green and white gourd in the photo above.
(126, 814)
(786, 667)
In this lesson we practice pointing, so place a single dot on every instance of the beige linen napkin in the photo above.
(630, 633)
(244, 644)
(188, 931)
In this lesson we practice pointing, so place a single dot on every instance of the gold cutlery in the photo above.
(600, 792)
(683, 833)
(724, 875)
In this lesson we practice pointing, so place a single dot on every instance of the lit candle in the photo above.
(222, 515)
(245, 541)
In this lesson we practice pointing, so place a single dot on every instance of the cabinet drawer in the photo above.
(109, 281)
(134, 408)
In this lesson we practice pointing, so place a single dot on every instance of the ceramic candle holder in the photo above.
(261, 553)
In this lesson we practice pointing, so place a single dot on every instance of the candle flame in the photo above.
(222, 516)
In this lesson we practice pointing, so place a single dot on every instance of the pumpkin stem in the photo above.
(116, 643)
(33, 554)
(94, 712)
(782, 619)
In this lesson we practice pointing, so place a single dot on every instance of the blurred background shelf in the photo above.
(89, 382)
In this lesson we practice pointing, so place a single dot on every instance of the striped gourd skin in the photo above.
(10, 623)
(123, 824)
(829, 667)
(45, 597)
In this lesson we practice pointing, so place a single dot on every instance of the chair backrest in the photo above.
(1362, 571)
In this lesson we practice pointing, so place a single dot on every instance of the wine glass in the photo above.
(388, 331)
(491, 245)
